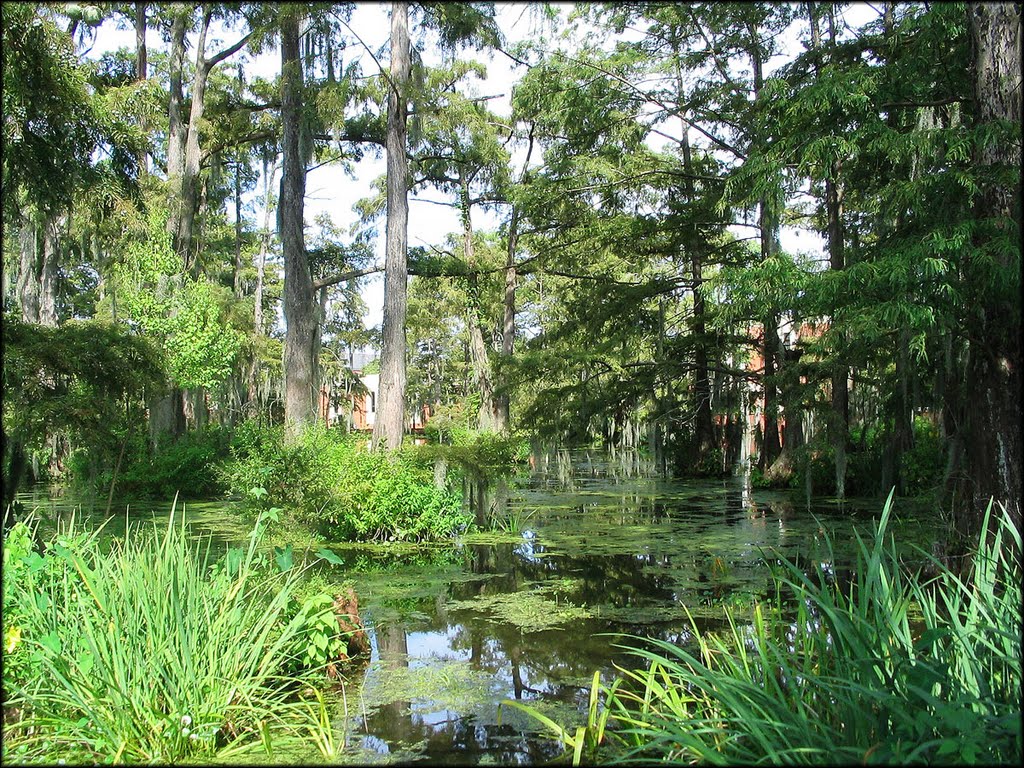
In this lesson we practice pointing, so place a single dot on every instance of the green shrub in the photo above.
(150, 652)
(187, 467)
(896, 668)
(923, 464)
(335, 485)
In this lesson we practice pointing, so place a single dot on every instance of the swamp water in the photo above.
(585, 549)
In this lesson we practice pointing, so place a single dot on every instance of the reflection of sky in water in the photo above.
(426, 647)
(617, 540)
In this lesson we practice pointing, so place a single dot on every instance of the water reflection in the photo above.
(610, 550)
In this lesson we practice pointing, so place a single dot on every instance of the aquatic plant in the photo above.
(153, 651)
(513, 520)
(529, 611)
(896, 668)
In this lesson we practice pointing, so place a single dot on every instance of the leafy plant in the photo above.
(584, 740)
(345, 492)
(896, 668)
(151, 652)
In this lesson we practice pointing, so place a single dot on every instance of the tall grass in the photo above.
(150, 652)
(894, 668)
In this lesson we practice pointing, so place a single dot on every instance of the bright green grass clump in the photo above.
(153, 651)
(896, 667)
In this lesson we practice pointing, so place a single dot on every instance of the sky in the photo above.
(330, 190)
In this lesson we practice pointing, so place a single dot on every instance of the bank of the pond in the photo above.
(153, 647)
(584, 547)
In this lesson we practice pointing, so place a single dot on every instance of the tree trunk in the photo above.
(188, 190)
(488, 417)
(704, 428)
(28, 280)
(840, 417)
(236, 275)
(300, 306)
(141, 63)
(37, 275)
(994, 433)
(166, 417)
(390, 422)
(175, 128)
(768, 224)
(508, 325)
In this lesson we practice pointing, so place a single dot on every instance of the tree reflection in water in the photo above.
(632, 551)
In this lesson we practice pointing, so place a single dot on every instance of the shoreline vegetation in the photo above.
(150, 648)
(901, 668)
(153, 649)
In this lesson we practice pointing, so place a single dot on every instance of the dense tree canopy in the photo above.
(623, 263)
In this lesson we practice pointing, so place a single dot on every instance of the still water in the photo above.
(576, 556)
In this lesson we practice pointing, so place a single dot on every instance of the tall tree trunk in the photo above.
(390, 421)
(994, 433)
(175, 104)
(188, 191)
(769, 222)
(166, 417)
(236, 282)
(508, 325)
(48, 273)
(269, 171)
(487, 419)
(300, 307)
(37, 274)
(28, 280)
(704, 428)
(141, 63)
(236, 275)
(840, 416)
(508, 321)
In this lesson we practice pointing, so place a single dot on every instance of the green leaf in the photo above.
(329, 556)
(284, 558)
(51, 642)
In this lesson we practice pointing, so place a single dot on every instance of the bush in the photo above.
(187, 467)
(892, 669)
(150, 652)
(342, 490)
(922, 465)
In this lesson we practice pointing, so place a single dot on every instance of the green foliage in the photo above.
(153, 651)
(187, 467)
(895, 668)
(921, 467)
(80, 377)
(319, 644)
(586, 740)
(50, 126)
(334, 484)
(184, 316)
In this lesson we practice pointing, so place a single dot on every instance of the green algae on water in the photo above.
(529, 611)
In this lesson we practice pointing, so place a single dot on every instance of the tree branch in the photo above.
(346, 276)
(936, 103)
(230, 51)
